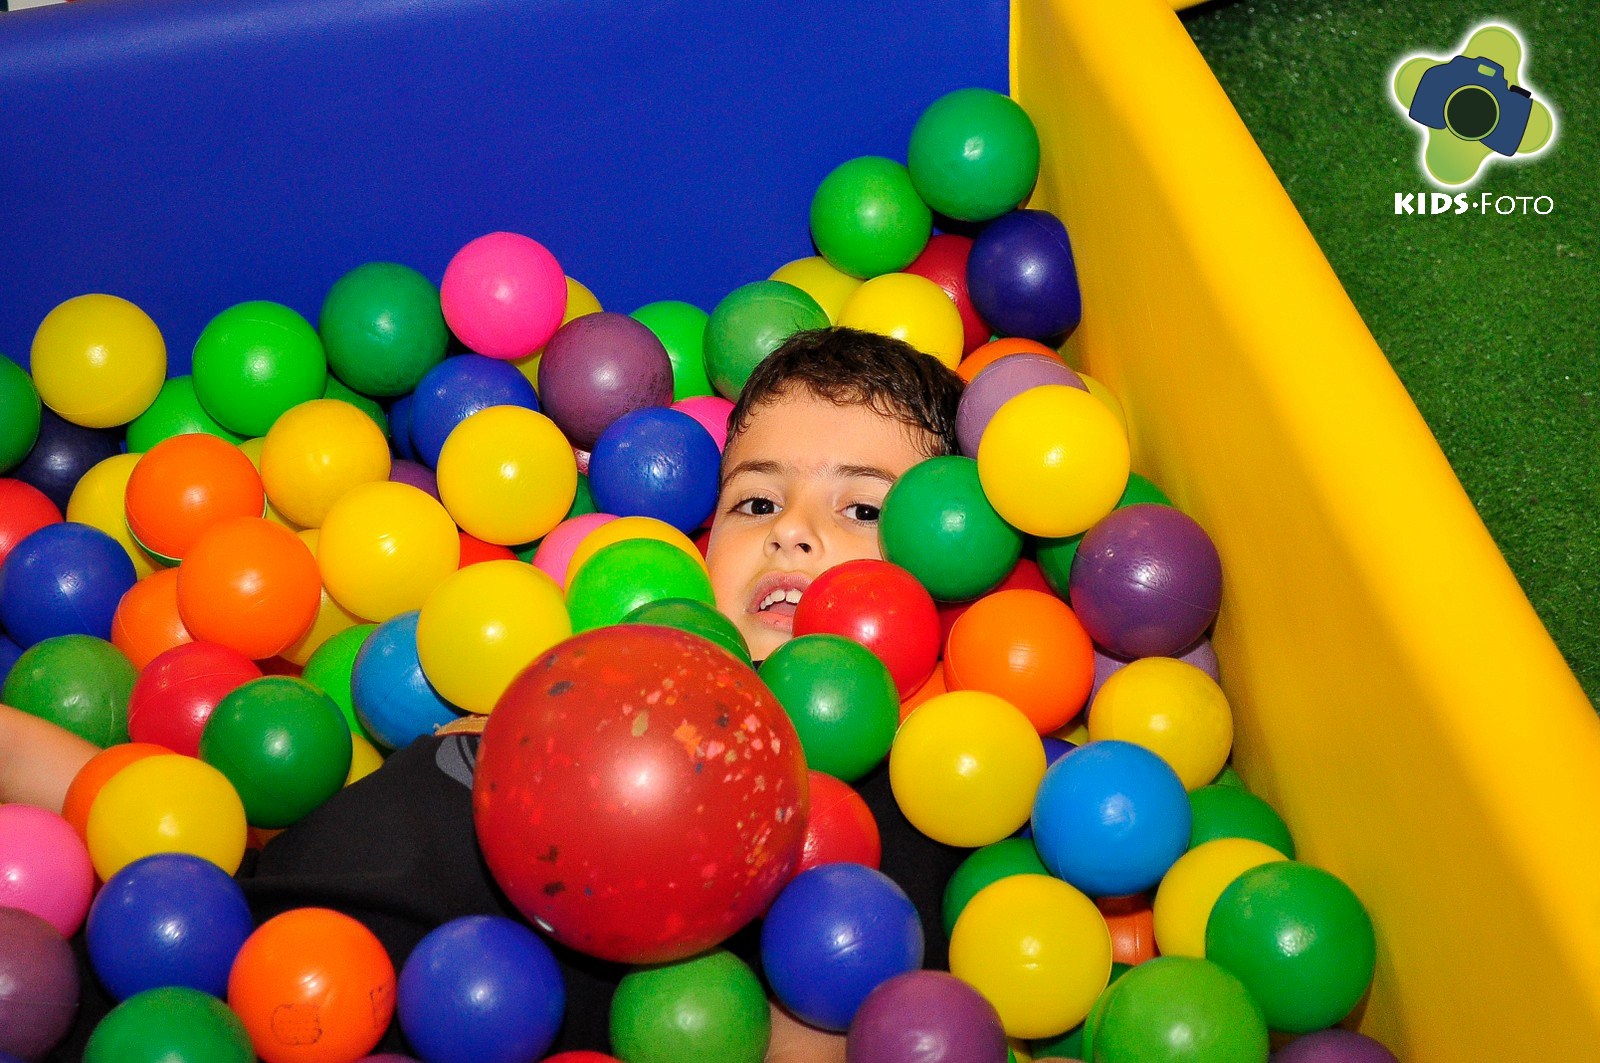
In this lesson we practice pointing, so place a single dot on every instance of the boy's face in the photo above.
(801, 490)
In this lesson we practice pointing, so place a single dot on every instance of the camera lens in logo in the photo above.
(1471, 112)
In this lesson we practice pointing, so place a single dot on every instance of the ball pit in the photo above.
(1189, 890)
(625, 575)
(712, 412)
(697, 618)
(974, 154)
(1002, 380)
(86, 784)
(986, 866)
(1172, 709)
(1176, 998)
(1232, 812)
(909, 307)
(556, 550)
(881, 606)
(1027, 647)
(937, 511)
(384, 548)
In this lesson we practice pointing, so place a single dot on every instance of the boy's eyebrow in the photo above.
(842, 471)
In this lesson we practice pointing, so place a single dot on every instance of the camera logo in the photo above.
(1473, 106)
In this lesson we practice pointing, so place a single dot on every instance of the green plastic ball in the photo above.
(974, 155)
(986, 866)
(582, 501)
(1055, 556)
(867, 219)
(681, 328)
(841, 699)
(383, 329)
(176, 412)
(1232, 812)
(253, 362)
(1299, 938)
(338, 389)
(937, 524)
(19, 414)
(697, 618)
(77, 682)
(174, 1024)
(283, 744)
(621, 577)
(1228, 777)
(1176, 1009)
(711, 1007)
(750, 323)
(329, 669)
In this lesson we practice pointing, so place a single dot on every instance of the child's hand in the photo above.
(38, 760)
(795, 1042)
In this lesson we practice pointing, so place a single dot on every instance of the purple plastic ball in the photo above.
(656, 462)
(1147, 581)
(1334, 1046)
(38, 984)
(999, 382)
(1201, 655)
(1022, 278)
(598, 367)
(403, 471)
(926, 1017)
(63, 453)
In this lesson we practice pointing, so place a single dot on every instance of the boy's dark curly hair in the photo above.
(850, 367)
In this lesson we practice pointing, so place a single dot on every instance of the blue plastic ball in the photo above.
(1022, 278)
(393, 699)
(167, 920)
(9, 653)
(400, 427)
(835, 934)
(481, 989)
(656, 462)
(1055, 749)
(63, 579)
(457, 388)
(63, 453)
(1111, 818)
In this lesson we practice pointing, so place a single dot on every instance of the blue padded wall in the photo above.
(190, 154)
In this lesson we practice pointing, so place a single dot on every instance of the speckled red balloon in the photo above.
(639, 794)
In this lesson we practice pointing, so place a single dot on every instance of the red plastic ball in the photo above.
(24, 509)
(176, 693)
(881, 606)
(474, 550)
(944, 262)
(841, 828)
(639, 794)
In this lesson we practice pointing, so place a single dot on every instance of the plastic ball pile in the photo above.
(248, 583)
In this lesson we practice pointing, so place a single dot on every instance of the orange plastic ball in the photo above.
(1029, 648)
(250, 584)
(1133, 928)
(95, 773)
(147, 623)
(979, 360)
(312, 986)
(932, 688)
(185, 484)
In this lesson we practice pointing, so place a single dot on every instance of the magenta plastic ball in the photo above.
(38, 984)
(712, 412)
(598, 367)
(503, 295)
(44, 867)
(926, 1017)
(556, 549)
(1334, 1046)
(1201, 655)
(1000, 381)
(418, 475)
(1147, 581)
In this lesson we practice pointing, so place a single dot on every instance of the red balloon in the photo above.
(841, 828)
(24, 509)
(177, 691)
(944, 262)
(474, 550)
(639, 794)
(881, 606)
(1026, 576)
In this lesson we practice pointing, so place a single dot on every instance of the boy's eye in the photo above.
(756, 507)
(865, 512)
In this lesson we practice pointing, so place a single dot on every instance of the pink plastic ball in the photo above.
(711, 411)
(555, 549)
(503, 295)
(44, 867)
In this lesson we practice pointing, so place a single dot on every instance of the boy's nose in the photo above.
(792, 532)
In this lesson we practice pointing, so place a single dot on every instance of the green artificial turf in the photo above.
(1490, 322)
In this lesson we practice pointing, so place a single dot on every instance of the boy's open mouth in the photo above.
(775, 597)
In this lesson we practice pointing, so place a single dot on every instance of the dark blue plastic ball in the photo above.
(393, 699)
(63, 579)
(9, 652)
(481, 989)
(167, 920)
(400, 427)
(1055, 749)
(1111, 818)
(63, 453)
(1022, 278)
(656, 462)
(457, 388)
(835, 934)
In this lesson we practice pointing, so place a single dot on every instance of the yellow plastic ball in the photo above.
(98, 361)
(252, 450)
(909, 308)
(817, 277)
(507, 475)
(484, 625)
(580, 301)
(97, 501)
(331, 617)
(1053, 461)
(364, 759)
(1191, 887)
(965, 768)
(1106, 396)
(1171, 708)
(316, 452)
(615, 531)
(1037, 949)
(166, 804)
(384, 548)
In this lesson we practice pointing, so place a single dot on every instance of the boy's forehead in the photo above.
(801, 433)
